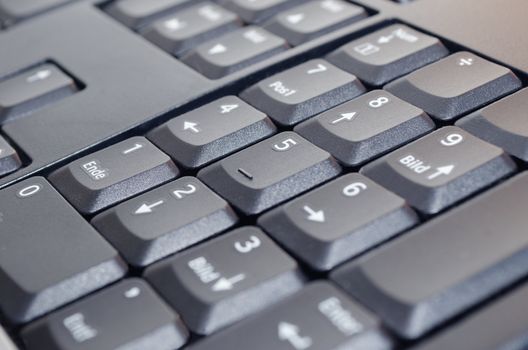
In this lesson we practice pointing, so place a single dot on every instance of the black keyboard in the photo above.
(263, 175)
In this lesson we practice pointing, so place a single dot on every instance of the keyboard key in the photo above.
(186, 29)
(212, 131)
(501, 325)
(255, 11)
(504, 123)
(33, 89)
(128, 315)
(366, 127)
(388, 53)
(270, 172)
(313, 19)
(50, 254)
(455, 85)
(234, 51)
(226, 279)
(338, 221)
(440, 169)
(165, 220)
(113, 174)
(303, 91)
(9, 159)
(447, 265)
(137, 13)
(320, 317)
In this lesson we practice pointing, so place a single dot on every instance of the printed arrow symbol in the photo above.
(313, 215)
(147, 208)
(191, 126)
(224, 284)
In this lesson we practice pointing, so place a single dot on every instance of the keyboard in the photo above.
(263, 175)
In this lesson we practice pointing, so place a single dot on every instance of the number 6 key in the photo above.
(440, 169)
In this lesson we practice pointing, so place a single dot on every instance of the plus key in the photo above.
(440, 169)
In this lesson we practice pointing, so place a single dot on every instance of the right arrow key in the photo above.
(441, 169)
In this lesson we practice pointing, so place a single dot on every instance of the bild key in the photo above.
(440, 169)
(226, 279)
(113, 174)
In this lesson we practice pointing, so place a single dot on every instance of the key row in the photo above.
(224, 280)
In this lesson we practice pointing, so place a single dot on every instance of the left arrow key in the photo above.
(165, 220)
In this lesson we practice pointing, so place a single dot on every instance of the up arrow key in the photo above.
(147, 208)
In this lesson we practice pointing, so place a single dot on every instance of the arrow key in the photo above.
(320, 317)
(441, 169)
(366, 127)
(165, 220)
(212, 131)
(226, 279)
(338, 221)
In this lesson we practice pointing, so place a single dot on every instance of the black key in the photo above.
(137, 13)
(234, 51)
(270, 172)
(504, 123)
(255, 11)
(226, 279)
(165, 220)
(186, 29)
(440, 169)
(313, 19)
(372, 124)
(13, 11)
(50, 254)
(338, 221)
(212, 131)
(113, 174)
(388, 53)
(33, 89)
(455, 85)
(448, 265)
(128, 315)
(303, 91)
(501, 325)
(320, 317)
(9, 159)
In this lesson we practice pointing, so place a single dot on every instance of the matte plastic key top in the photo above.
(359, 130)
(113, 174)
(165, 220)
(440, 169)
(33, 89)
(388, 53)
(234, 51)
(320, 317)
(50, 255)
(270, 172)
(455, 85)
(446, 266)
(503, 123)
(212, 131)
(226, 279)
(255, 11)
(188, 28)
(128, 315)
(303, 91)
(313, 19)
(338, 221)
